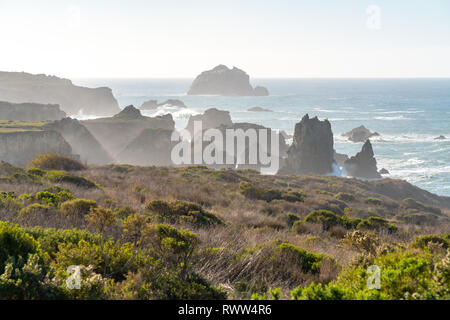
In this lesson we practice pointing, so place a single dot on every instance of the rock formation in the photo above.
(286, 135)
(81, 140)
(115, 133)
(360, 134)
(363, 164)
(340, 158)
(441, 137)
(19, 147)
(212, 118)
(259, 109)
(20, 87)
(152, 147)
(225, 82)
(153, 104)
(383, 171)
(312, 148)
(30, 111)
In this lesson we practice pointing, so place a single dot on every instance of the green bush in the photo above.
(53, 161)
(77, 207)
(423, 241)
(183, 212)
(345, 196)
(64, 177)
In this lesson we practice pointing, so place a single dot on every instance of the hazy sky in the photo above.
(279, 38)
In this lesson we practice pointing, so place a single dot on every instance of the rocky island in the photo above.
(225, 82)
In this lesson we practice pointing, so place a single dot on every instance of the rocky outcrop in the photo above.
(20, 87)
(312, 149)
(242, 161)
(117, 132)
(225, 82)
(30, 111)
(81, 140)
(286, 135)
(383, 171)
(360, 134)
(441, 137)
(152, 147)
(18, 148)
(340, 158)
(212, 118)
(259, 109)
(363, 164)
(153, 104)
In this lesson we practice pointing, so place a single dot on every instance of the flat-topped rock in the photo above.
(360, 134)
(441, 137)
(211, 118)
(21, 87)
(225, 82)
(259, 109)
(30, 111)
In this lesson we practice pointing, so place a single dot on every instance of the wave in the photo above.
(176, 112)
(400, 138)
(393, 118)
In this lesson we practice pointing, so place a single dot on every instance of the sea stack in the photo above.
(312, 148)
(212, 118)
(363, 164)
(225, 82)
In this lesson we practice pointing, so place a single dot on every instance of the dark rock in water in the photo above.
(259, 109)
(312, 148)
(440, 138)
(30, 111)
(383, 171)
(360, 134)
(149, 105)
(115, 133)
(260, 91)
(18, 148)
(20, 87)
(129, 113)
(81, 140)
(225, 82)
(151, 148)
(153, 104)
(363, 164)
(340, 158)
(212, 118)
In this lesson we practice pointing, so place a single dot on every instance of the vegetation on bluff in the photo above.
(197, 233)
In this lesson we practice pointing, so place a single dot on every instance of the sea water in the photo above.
(407, 113)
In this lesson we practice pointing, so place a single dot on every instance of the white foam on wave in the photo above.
(393, 118)
(176, 112)
(401, 138)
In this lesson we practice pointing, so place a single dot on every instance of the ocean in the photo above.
(407, 113)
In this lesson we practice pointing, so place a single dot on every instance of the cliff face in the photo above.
(115, 133)
(312, 148)
(225, 82)
(22, 87)
(30, 111)
(18, 148)
(363, 164)
(152, 147)
(81, 140)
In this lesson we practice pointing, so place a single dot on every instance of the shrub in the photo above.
(345, 196)
(328, 219)
(183, 212)
(423, 241)
(77, 207)
(64, 177)
(374, 201)
(53, 161)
